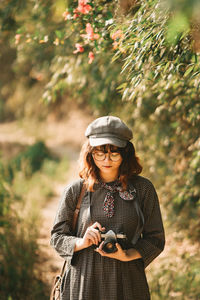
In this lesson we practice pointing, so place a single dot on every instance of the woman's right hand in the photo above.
(91, 236)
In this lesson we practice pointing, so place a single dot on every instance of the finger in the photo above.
(90, 239)
(98, 225)
(100, 246)
(101, 252)
(97, 234)
(93, 237)
(119, 248)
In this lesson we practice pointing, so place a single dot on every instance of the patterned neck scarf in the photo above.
(108, 204)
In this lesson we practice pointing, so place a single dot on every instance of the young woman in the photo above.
(119, 229)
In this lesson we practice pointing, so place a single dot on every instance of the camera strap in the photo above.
(140, 224)
(140, 215)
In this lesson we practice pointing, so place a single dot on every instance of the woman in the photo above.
(117, 203)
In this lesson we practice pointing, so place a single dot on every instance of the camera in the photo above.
(110, 239)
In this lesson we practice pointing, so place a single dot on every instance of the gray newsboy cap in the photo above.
(108, 130)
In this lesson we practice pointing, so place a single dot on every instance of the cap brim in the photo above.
(107, 140)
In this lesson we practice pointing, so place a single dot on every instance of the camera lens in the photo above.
(109, 246)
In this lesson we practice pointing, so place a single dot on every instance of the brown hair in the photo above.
(90, 173)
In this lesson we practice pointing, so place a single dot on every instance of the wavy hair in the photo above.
(129, 167)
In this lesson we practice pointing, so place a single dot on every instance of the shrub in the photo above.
(18, 230)
(31, 159)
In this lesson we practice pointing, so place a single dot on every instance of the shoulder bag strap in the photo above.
(78, 206)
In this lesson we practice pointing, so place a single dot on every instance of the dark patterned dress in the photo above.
(89, 276)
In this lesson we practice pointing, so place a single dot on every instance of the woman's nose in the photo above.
(107, 158)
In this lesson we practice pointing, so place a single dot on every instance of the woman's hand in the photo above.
(91, 236)
(120, 254)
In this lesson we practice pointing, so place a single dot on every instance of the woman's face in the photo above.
(107, 158)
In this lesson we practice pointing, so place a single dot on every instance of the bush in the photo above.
(18, 256)
(17, 251)
(31, 159)
(18, 229)
(178, 279)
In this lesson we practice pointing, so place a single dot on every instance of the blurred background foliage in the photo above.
(25, 186)
(145, 68)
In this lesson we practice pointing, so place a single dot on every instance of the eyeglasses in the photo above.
(100, 156)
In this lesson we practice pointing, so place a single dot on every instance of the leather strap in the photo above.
(55, 292)
(78, 206)
(74, 221)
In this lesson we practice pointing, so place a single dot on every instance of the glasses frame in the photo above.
(105, 153)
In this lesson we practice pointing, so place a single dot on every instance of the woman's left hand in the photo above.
(120, 254)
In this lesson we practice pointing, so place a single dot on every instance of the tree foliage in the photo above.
(162, 87)
(43, 48)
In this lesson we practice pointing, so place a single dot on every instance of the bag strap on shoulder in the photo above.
(78, 206)
(74, 221)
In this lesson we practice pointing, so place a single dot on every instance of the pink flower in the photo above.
(75, 15)
(91, 57)
(82, 2)
(90, 33)
(79, 48)
(117, 35)
(83, 7)
(115, 45)
(17, 39)
(66, 15)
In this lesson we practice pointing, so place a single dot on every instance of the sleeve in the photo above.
(62, 238)
(152, 242)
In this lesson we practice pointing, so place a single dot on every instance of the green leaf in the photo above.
(122, 86)
(188, 71)
(178, 25)
(195, 74)
(59, 34)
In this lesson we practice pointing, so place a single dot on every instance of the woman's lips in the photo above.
(107, 167)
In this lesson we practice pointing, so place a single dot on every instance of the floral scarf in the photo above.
(108, 204)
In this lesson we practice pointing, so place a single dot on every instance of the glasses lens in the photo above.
(99, 155)
(114, 156)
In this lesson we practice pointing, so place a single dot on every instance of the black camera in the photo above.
(110, 239)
